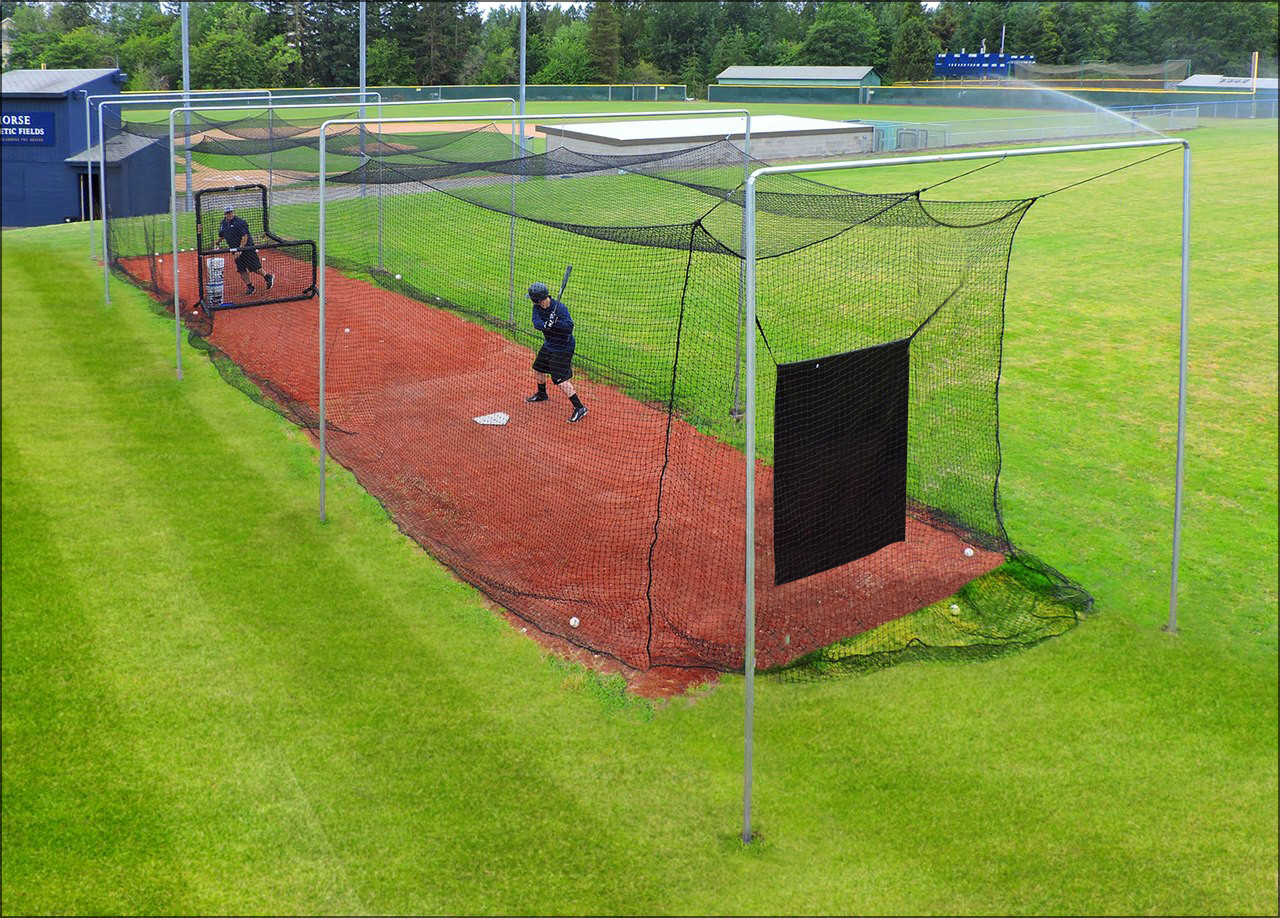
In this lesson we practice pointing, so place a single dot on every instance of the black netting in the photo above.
(624, 532)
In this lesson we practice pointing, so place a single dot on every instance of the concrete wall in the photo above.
(854, 141)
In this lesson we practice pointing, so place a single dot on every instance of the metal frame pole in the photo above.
(186, 95)
(363, 185)
(524, 13)
(173, 214)
(88, 146)
(749, 649)
(1184, 321)
(518, 150)
(736, 411)
(323, 271)
(749, 253)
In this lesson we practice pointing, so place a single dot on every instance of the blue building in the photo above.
(44, 149)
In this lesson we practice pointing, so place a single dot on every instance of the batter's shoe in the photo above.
(538, 397)
(250, 290)
(271, 281)
(578, 414)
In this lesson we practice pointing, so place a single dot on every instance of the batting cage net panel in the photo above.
(213, 205)
(880, 321)
(261, 267)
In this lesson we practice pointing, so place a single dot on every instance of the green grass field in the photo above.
(215, 703)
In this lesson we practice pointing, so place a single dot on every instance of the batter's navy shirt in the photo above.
(556, 325)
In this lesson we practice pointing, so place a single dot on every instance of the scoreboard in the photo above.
(978, 65)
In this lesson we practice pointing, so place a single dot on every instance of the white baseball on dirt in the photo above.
(573, 622)
(968, 552)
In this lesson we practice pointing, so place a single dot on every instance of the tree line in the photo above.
(307, 43)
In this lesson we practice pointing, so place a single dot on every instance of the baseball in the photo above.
(968, 552)
(573, 622)
(954, 607)
(346, 330)
(397, 277)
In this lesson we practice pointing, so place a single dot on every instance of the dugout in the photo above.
(137, 180)
(43, 121)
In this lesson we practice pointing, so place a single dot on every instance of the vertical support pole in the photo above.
(271, 152)
(173, 215)
(363, 157)
(382, 180)
(736, 411)
(1172, 626)
(323, 272)
(511, 255)
(524, 13)
(186, 97)
(102, 208)
(749, 655)
(88, 145)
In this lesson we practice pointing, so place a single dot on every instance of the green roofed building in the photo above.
(741, 75)
(838, 85)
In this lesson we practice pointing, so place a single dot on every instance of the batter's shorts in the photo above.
(555, 363)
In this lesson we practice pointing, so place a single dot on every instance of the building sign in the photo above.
(27, 127)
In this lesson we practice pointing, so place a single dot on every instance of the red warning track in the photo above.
(554, 521)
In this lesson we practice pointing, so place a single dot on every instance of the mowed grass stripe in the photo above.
(1115, 769)
(64, 759)
(291, 665)
(182, 684)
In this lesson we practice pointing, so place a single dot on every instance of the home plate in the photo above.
(498, 417)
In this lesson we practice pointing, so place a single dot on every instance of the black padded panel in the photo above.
(840, 458)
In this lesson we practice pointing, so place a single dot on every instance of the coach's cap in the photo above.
(538, 292)
(228, 210)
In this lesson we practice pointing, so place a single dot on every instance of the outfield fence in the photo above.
(905, 136)
(534, 92)
(1000, 96)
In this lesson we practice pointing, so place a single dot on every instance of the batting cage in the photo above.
(879, 530)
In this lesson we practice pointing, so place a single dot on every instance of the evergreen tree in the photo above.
(694, 77)
(842, 35)
(729, 50)
(603, 41)
(914, 48)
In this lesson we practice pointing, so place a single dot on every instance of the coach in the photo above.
(236, 233)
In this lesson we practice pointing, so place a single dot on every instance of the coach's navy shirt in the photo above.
(235, 230)
(555, 324)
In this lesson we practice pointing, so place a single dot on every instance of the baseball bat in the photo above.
(564, 283)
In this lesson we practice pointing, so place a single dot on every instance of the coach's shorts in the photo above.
(555, 363)
(248, 260)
